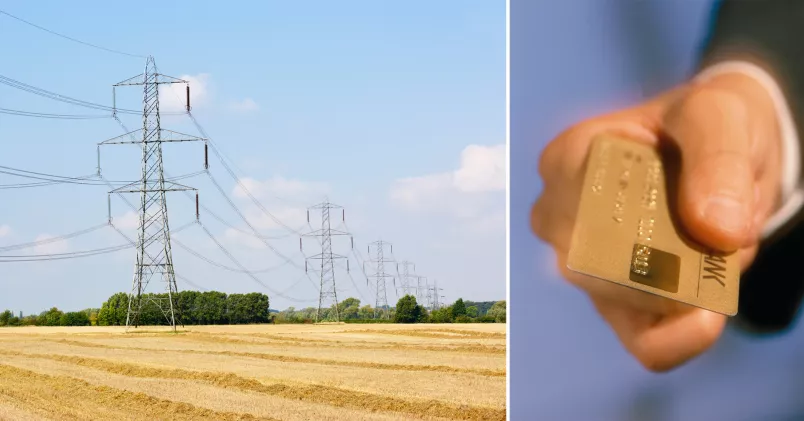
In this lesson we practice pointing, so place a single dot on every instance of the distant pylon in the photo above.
(406, 276)
(327, 287)
(154, 255)
(422, 291)
(379, 261)
(434, 296)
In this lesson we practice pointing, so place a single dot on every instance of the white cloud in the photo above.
(4, 230)
(467, 192)
(278, 187)
(286, 199)
(292, 216)
(240, 238)
(128, 221)
(482, 169)
(50, 248)
(173, 97)
(244, 106)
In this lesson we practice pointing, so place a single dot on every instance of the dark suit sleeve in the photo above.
(768, 33)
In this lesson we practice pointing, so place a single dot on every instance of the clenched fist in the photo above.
(726, 129)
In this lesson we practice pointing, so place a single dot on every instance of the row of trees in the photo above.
(407, 310)
(192, 308)
(52, 317)
(209, 308)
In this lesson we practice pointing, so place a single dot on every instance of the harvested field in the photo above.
(282, 372)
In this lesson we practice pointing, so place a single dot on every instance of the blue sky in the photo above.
(395, 110)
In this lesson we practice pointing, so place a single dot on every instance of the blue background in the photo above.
(571, 60)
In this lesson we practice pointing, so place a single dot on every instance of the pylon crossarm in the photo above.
(116, 140)
(134, 80)
(173, 136)
(159, 79)
(169, 186)
(320, 256)
(321, 232)
(165, 79)
(165, 136)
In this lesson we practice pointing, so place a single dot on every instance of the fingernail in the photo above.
(727, 213)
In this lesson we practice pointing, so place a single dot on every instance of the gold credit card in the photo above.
(626, 232)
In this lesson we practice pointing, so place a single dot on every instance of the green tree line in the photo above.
(192, 308)
(52, 317)
(209, 308)
(407, 310)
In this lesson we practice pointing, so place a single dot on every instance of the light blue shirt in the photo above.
(571, 60)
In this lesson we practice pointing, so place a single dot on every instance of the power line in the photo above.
(64, 181)
(191, 283)
(39, 184)
(236, 178)
(51, 116)
(70, 100)
(246, 271)
(62, 98)
(231, 203)
(77, 256)
(354, 284)
(184, 278)
(242, 231)
(47, 256)
(221, 157)
(51, 239)
(220, 265)
(243, 217)
(44, 174)
(69, 38)
(50, 179)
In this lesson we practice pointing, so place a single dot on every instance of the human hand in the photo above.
(726, 129)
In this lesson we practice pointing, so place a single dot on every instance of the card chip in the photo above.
(655, 268)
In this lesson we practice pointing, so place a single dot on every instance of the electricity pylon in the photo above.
(406, 276)
(435, 296)
(379, 261)
(327, 288)
(422, 291)
(154, 255)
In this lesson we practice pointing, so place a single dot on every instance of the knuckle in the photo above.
(710, 332)
(548, 161)
(714, 101)
(538, 219)
(557, 157)
(652, 363)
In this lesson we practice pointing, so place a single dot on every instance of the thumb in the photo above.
(710, 125)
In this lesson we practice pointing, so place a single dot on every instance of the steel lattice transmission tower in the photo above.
(406, 276)
(422, 291)
(154, 255)
(434, 296)
(327, 290)
(379, 261)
